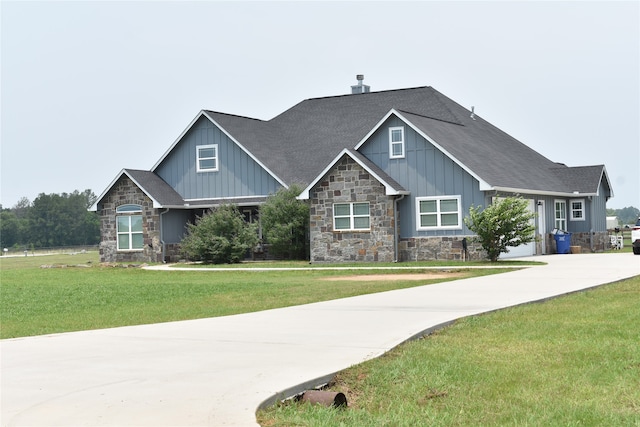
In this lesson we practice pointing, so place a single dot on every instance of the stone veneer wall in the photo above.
(599, 239)
(439, 248)
(122, 193)
(348, 182)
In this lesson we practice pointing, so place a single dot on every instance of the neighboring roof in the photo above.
(391, 186)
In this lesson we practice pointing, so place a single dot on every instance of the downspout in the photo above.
(162, 235)
(397, 228)
(591, 231)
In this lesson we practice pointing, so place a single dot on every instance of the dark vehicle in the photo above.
(635, 237)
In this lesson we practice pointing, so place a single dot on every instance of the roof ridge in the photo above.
(233, 115)
(433, 118)
(368, 93)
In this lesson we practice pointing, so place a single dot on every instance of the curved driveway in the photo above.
(218, 371)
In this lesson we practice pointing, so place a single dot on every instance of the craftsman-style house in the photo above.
(389, 176)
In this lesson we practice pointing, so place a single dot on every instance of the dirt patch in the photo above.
(396, 277)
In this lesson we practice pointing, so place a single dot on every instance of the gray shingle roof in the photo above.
(155, 187)
(297, 144)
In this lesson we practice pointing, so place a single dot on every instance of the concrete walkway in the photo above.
(218, 371)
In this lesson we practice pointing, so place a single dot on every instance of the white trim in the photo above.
(484, 186)
(207, 199)
(389, 191)
(582, 210)
(400, 142)
(215, 157)
(438, 213)
(541, 192)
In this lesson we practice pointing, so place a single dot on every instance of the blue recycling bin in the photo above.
(563, 243)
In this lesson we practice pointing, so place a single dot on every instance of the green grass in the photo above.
(571, 361)
(36, 301)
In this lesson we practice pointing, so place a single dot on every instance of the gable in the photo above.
(237, 174)
(424, 160)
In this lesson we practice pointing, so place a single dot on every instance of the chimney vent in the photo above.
(360, 87)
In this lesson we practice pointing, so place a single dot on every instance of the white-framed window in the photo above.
(439, 213)
(560, 215)
(577, 210)
(207, 158)
(396, 142)
(351, 216)
(129, 228)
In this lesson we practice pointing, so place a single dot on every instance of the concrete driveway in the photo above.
(218, 371)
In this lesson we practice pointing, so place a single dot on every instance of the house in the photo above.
(388, 175)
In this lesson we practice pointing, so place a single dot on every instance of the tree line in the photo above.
(51, 220)
(626, 216)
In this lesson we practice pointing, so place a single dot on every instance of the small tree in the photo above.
(220, 236)
(285, 223)
(506, 222)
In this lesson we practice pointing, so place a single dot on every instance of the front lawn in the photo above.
(76, 293)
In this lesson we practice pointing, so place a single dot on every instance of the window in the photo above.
(560, 214)
(129, 228)
(396, 142)
(439, 213)
(351, 216)
(577, 210)
(207, 158)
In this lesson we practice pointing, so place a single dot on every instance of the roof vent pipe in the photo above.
(360, 87)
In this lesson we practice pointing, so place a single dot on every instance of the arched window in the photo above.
(129, 227)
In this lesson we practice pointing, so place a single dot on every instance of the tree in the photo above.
(9, 229)
(220, 236)
(285, 223)
(506, 222)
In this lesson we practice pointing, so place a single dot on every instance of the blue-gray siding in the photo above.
(238, 174)
(424, 171)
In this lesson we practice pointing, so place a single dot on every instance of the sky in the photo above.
(89, 88)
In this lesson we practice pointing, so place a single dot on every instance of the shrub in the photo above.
(220, 236)
(506, 222)
(285, 223)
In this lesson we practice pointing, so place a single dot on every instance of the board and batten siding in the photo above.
(238, 175)
(424, 171)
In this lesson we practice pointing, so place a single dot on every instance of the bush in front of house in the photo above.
(285, 223)
(220, 236)
(504, 223)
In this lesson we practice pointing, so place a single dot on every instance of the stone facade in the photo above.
(439, 248)
(348, 182)
(122, 193)
(588, 242)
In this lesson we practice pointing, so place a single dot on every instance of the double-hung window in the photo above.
(129, 227)
(396, 142)
(560, 214)
(351, 216)
(577, 210)
(207, 158)
(439, 213)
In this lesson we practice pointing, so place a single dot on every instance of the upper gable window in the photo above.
(396, 142)
(207, 158)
